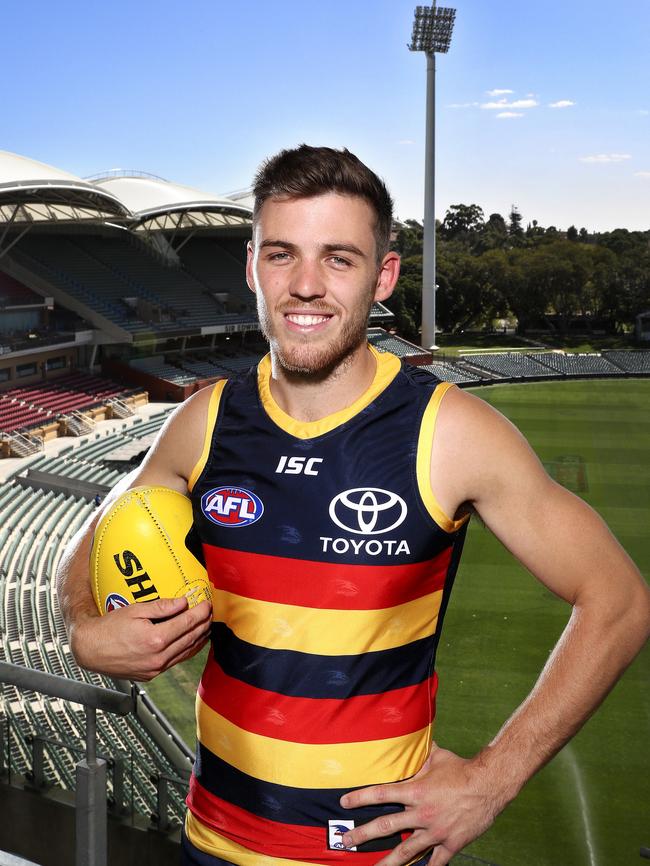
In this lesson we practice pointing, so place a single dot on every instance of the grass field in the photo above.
(591, 805)
(452, 345)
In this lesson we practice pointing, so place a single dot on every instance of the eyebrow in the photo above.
(329, 248)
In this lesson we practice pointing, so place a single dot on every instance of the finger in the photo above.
(410, 849)
(441, 856)
(196, 648)
(169, 653)
(179, 624)
(395, 792)
(160, 609)
(384, 825)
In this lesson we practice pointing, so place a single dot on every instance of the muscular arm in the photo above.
(126, 643)
(566, 545)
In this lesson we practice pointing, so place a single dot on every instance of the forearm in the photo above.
(72, 577)
(594, 649)
(73, 589)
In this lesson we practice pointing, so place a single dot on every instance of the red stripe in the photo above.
(318, 720)
(275, 839)
(323, 585)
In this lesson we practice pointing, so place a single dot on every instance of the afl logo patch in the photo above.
(368, 510)
(232, 506)
(115, 600)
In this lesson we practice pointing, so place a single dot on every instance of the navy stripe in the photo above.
(304, 675)
(282, 804)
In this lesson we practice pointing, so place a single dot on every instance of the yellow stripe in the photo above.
(213, 408)
(308, 765)
(423, 465)
(387, 368)
(327, 632)
(208, 840)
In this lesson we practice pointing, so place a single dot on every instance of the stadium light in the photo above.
(432, 30)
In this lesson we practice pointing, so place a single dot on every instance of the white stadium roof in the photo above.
(32, 191)
(159, 204)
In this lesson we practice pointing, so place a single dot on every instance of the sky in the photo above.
(544, 106)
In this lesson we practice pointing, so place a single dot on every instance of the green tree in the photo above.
(466, 296)
(493, 235)
(409, 239)
(515, 229)
(462, 223)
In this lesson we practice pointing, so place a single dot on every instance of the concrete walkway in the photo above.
(18, 465)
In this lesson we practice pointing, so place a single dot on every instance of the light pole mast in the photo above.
(432, 29)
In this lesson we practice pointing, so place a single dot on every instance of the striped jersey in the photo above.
(331, 565)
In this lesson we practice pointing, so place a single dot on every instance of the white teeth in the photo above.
(306, 320)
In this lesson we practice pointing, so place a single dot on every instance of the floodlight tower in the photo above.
(432, 29)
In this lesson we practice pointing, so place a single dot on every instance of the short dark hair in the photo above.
(307, 171)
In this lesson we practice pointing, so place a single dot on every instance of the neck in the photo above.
(312, 396)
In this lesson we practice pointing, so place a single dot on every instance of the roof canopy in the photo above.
(31, 191)
(159, 205)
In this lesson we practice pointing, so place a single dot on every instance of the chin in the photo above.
(312, 360)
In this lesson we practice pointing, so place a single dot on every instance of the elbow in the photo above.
(641, 610)
(629, 619)
(620, 615)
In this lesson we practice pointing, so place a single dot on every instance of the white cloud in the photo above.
(406, 141)
(510, 114)
(606, 157)
(463, 105)
(643, 112)
(502, 104)
(644, 174)
(562, 103)
(498, 92)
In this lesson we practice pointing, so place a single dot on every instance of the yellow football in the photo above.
(140, 551)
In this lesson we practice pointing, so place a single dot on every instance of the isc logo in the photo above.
(232, 506)
(136, 578)
(298, 465)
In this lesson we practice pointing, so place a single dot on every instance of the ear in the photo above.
(250, 254)
(387, 277)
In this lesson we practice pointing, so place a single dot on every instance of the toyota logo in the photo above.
(364, 506)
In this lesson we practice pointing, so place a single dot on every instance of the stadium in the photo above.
(123, 294)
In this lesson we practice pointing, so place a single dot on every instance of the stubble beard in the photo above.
(302, 356)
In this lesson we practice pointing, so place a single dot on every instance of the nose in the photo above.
(307, 281)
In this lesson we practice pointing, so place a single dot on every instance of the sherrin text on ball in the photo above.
(140, 551)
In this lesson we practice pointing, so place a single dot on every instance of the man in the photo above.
(331, 491)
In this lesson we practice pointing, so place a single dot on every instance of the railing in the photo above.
(90, 795)
(77, 423)
(119, 408)
(123, 172)
(21, 444)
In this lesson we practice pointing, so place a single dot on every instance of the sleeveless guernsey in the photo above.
(331, 565)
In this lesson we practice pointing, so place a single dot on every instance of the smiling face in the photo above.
(312, 264)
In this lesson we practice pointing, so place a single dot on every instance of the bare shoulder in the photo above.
(477, 452)
(179, 444)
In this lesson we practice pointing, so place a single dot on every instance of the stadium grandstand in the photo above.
(120, 295)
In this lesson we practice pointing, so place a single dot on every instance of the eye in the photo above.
(339, 261)
(278, 257)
